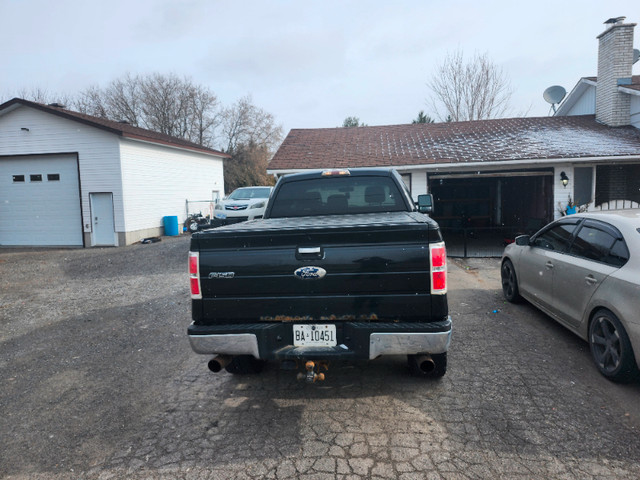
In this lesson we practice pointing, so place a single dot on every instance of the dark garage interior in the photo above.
(481, 212)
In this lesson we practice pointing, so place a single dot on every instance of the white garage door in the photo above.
(40, 201)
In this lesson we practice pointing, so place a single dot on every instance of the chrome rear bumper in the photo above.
(355, 340)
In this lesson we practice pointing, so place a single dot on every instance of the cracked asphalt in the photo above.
(98, 382)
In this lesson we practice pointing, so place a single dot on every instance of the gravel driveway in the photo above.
(98, 382)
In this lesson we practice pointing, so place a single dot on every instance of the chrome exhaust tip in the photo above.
(217, 363)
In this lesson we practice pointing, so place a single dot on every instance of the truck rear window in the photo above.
(337, 196)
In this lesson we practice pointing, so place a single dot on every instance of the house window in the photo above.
(35, 178)
(18, 178)
(53, 177)
(583, 183)
(617, 182)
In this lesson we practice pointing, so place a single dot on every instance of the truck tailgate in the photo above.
(363, 267)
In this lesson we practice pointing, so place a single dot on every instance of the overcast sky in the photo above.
(310, 63)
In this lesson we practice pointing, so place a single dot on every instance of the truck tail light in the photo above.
(194, 274)
(438, 254)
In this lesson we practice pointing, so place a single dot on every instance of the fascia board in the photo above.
(485, 165)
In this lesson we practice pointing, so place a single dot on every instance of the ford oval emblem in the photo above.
(310, 273)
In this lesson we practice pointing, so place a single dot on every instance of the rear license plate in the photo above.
(314, 336)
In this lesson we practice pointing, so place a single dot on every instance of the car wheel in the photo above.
(419, 368)
(611, 348)
(245, 365)
(509, 282)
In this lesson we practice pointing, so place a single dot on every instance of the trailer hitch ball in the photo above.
(312, 376)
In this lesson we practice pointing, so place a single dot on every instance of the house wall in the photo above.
(158, 180)
(586, 104)
(635, 110)
(418, 181)
(561, 194)
(98, 152)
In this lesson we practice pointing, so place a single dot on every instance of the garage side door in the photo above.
(40, 201)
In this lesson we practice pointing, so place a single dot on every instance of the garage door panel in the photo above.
(40, 201)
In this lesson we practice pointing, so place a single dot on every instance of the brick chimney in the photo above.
(615, 61)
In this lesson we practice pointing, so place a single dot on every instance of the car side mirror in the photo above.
(425, 203)
(523, 240)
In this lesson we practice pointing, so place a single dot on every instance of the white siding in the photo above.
(98, 153)
(561, 193)
(158, 180)
(586, 104)
(418, 181)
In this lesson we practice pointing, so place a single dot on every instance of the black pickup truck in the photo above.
(344, 266)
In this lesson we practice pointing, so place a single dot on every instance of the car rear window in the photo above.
(249, 193)
(337, 196)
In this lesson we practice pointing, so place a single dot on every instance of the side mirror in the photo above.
(523, 240)
(425, 203)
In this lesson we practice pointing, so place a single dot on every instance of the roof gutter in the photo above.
(506, 164)
(630, 91)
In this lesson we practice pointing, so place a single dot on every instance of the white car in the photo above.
(245, 203)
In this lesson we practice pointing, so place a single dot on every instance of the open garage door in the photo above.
(40, 201)
(479, 212)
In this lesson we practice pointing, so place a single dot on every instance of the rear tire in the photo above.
(611, 348)
(439, 370)
(509, 282)
(245, 365)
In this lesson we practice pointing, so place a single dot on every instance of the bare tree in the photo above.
(205, 116)
(44, 96)
(124, 100)
(91, 102)
(473, 90)
(247, 167)
(250, 136)
(165, 106)
(163, 103)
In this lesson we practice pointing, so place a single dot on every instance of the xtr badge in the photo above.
(221, 274)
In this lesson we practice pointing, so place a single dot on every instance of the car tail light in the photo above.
(194, 274)
(438, 254)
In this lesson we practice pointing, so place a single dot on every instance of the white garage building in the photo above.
(69, 179)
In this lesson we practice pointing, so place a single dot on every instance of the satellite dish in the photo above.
(636, 55)
(554, 95)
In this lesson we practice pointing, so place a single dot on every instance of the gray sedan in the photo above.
(583, 270)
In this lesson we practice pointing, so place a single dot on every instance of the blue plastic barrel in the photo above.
(171, 225)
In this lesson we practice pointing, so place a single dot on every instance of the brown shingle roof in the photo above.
(118, 128)
(456, 142)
